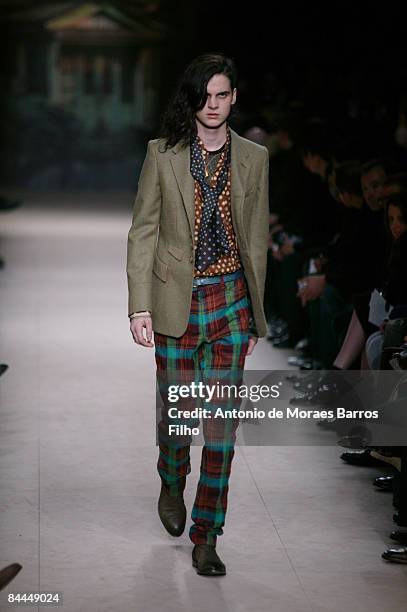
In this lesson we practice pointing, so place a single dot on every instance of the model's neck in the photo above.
(212, 139)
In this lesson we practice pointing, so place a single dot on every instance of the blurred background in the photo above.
(83, 84)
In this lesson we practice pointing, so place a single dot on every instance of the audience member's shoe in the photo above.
(282, 341)
(396, 555)
(302, 345)
(206, 561)
(294, 378)
(362, 458)
(309, 382)
(298, 360)
(311, 364)
(277, 328)
(325, 395)
(399, 536)
(384, 483)
(8, 573)
(172, 512)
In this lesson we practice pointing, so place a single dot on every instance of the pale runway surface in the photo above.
(79, 486)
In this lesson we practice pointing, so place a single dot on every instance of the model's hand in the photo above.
(252, 343)
(136, 327)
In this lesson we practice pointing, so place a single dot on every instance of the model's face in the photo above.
(397, 224)
(219, 102)
(372, 185)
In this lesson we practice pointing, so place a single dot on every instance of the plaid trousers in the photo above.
(213, 347)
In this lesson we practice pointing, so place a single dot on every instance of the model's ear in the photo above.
(234, 94)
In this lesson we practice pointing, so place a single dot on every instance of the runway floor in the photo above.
(79, 486)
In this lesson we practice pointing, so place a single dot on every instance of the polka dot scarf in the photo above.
(212, 239)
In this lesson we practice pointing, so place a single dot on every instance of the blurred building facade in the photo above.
(88, 69)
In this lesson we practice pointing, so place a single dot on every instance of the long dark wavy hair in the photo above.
(178, 122)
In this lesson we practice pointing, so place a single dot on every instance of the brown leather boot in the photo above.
(172, 512)
(206, 561)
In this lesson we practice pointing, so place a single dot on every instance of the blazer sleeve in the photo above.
(259, 226)
(143, 234)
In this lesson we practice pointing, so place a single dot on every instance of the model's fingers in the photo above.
(149, 329)
(133, 332)
(137, 329)
(140, 329)
(252, 344)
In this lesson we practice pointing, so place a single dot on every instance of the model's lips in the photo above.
(212, 115)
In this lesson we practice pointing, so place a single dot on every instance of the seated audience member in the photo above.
(297, 199)
(351, 267)
(395, 291)
(395, 287)
(374, 176)
(372, 180)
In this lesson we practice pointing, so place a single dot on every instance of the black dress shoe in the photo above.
(302, 345)
(8, 573)
(384, 483)
(311, 364)
(206, 561)
(399, 536)
(396, 555)
(362, 458)
(277, 328)
(309, 382)
(298, 360)
(172, 512)
(326, 394)
(282, 341)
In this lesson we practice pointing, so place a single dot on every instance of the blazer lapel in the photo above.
(240, 173)
(180, 161)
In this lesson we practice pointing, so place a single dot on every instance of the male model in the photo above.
(197, 252)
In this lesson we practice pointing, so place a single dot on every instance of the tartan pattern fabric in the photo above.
(213, 347)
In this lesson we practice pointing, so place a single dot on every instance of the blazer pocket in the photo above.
(176, 252)
(160, 268)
